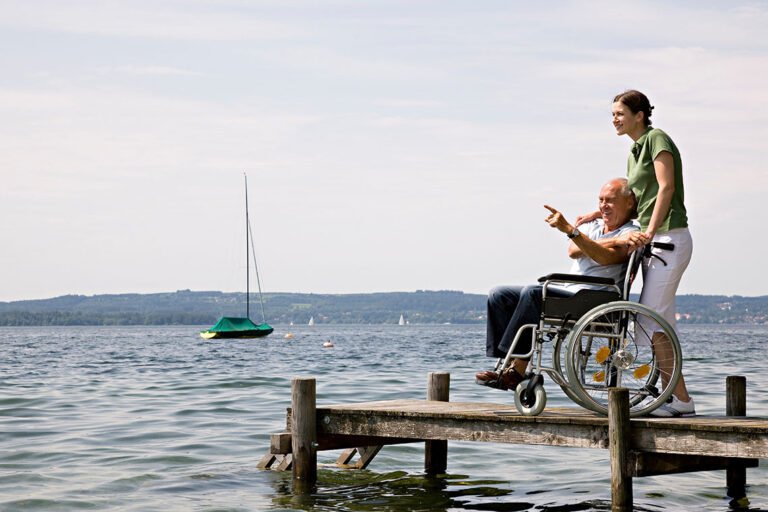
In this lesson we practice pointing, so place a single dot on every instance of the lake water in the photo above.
(156, 419)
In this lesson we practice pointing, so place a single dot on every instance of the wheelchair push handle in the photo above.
(662, 245)
(647, 250)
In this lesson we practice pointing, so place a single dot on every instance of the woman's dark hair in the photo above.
(636, 102)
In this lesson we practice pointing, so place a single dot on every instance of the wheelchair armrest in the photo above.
(577, 278)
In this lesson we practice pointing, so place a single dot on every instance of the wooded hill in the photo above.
(203, 308)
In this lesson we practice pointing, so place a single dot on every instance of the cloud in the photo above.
(147, 70)
(199, 21)
(67, 142)
(27, 100)
(407, 103)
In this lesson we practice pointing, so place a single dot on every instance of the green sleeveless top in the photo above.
(642, 180)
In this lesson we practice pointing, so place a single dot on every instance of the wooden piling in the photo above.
(436, 451)
(303, 434)
(735, 396)
(736, 405)
(618, 447)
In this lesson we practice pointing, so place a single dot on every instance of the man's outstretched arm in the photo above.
(607, 251)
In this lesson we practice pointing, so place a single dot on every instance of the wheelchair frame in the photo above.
(627, 331)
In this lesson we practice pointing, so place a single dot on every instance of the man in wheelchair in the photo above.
(595, 251)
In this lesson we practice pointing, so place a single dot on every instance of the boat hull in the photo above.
(236, 327)
(256, 333)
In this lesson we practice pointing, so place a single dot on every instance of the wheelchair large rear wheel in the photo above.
(623, 344)
(558, 347)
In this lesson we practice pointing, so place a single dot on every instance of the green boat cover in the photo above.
(231, 324)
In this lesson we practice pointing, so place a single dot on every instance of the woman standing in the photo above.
(655, 174)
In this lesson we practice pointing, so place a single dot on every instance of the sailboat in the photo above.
(402, 321)
(243, 327)
(311, 321)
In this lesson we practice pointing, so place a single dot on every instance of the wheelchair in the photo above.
(604, 340)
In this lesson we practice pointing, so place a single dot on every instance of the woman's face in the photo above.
(625, 121)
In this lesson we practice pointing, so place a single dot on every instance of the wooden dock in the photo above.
(638, 446)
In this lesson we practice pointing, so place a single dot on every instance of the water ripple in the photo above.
(131, 418)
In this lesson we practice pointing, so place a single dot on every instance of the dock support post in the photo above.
(736, 405)
(303, 434)
(618, 439)
(436, 451)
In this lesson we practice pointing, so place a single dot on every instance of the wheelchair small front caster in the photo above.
(530, 402)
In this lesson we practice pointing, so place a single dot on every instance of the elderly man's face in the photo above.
(614, 207)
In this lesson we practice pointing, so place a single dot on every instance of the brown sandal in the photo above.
(508, 379)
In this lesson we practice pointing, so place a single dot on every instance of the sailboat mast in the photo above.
(258, 280)
(247, 256)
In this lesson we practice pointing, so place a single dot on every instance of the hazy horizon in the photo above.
(254, 296)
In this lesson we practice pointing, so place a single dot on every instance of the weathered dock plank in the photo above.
(462, 421)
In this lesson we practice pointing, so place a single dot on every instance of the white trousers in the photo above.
(660, 281)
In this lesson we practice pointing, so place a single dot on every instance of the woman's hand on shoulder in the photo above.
(589, 217)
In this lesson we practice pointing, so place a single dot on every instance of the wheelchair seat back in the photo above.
(575, 306)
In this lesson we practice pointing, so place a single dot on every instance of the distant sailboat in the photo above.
(311, 321)
(402, 321)
(239, 327)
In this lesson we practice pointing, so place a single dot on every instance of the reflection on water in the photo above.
(141, 418)
(399, 491)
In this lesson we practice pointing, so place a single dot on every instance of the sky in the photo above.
(389, 145)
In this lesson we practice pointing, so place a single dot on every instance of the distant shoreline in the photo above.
(186, 307)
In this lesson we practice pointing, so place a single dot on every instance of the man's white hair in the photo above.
(624, 188)
(626, 191)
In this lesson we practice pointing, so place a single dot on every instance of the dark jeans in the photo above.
(509, 308)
